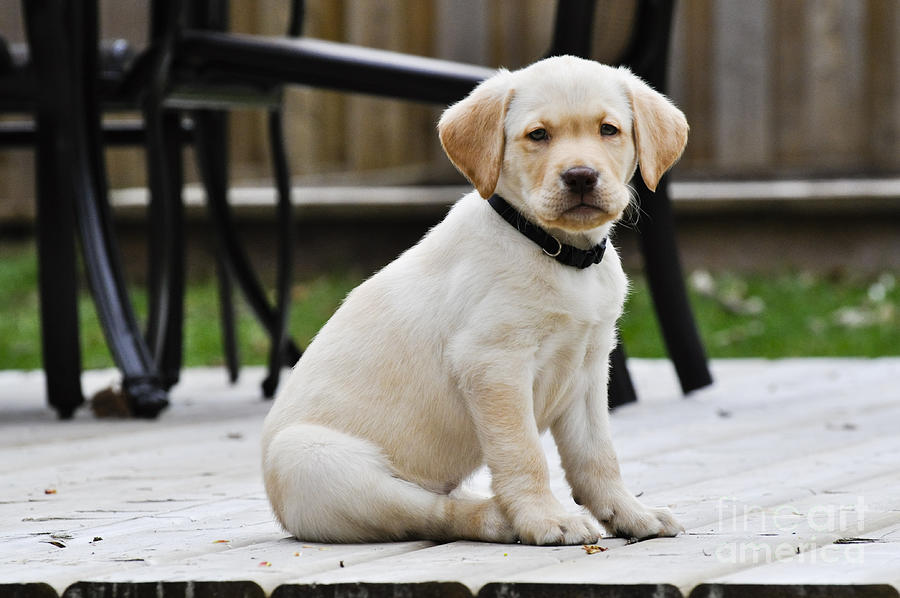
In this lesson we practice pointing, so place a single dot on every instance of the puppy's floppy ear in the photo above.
(472, 132)
(660, 131)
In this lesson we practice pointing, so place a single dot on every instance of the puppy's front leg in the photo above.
(506, 428)
(592, 469)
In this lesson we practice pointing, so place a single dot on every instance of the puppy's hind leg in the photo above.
(327, 486)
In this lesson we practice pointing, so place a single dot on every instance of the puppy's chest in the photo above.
(567, 365)
(573, 350)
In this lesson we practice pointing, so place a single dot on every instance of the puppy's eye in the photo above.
(607, 130)
(538, 135)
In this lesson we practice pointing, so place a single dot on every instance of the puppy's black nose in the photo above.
(580, 179)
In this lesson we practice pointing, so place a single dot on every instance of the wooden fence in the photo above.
(772, 88)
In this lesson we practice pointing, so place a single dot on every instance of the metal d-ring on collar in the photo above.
(558, 249)
(553, 247)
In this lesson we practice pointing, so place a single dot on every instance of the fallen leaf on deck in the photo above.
(221, 541)
(593, 548)
(49, 490)
(110, 402)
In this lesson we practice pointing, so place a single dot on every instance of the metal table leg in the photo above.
(57, 279)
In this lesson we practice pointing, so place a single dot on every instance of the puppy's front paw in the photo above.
(543, 527)
(637, 521)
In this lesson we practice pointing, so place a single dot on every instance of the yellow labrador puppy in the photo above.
(497, 325)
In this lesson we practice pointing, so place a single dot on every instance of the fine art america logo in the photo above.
(824, 533)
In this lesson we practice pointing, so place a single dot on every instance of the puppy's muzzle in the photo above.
(580, 180)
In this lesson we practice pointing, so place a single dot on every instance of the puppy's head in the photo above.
(561, 139)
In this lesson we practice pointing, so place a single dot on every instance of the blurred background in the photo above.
(790, 183)
(772, 88)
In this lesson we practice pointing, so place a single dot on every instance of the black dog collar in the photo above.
(562, 253)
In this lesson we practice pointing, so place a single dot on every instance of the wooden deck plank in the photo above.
(644, 433)
(870, 559)
(783, 437)
(705, 502)
(740, 453)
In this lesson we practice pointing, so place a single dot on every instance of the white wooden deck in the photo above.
(784, 473)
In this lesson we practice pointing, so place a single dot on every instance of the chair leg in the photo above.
(666, 281)
(209, 134)
(621, 388)
(285, 253)
(57, 278)
(226, 318)
(166, 218)
(63, 41)
(171, 359)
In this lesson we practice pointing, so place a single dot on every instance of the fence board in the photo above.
(790, 92)
(883, 74)
(834, 75)
(689, 80)
(383, 133)
(742, 111)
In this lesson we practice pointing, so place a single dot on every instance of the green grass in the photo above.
(313, 302)
(784, 315)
